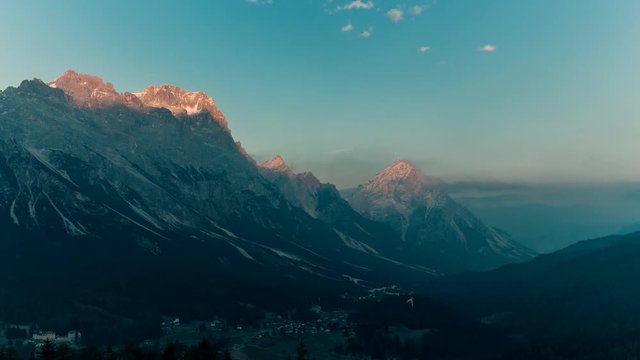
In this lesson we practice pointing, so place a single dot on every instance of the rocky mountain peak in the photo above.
(277, 164)
(429, 220)
(91, 91)
(180, 101)
(401, 174)
(400, 169)
(87, 90)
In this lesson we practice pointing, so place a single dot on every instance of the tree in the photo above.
(302, 351)
(12, 354)
(14, 333)
(227, 355)
(131, 352)
(47, 351)
(170, 352)
(90, 353)
(63, 352)
(205, 351)
(109, 354)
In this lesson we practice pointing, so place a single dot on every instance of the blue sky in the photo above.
(557, 100)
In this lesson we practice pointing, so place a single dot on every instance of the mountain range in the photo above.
(424, 226)
(588, 289)
(116, 207)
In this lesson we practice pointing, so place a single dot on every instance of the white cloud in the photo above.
(488, 48)
(395, 15)
(367, 33)
(260, 2)
(423, 49)
(357, 4)
(347, 28)
(416, 10)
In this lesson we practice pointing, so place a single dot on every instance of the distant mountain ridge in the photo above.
(299, 189)
(393, 198)
(589, 288)
(323, 201)
(434, 227)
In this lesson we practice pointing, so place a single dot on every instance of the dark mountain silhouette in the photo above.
(589, 288)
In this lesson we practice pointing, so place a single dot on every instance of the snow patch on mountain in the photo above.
(355, 244)
(12, 211)
(143, 214)
(73, 229)
(242, 251)
(353, 279)
(43, 157)
(285, 254)
(125, 217)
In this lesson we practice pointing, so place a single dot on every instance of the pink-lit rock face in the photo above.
(180, 102)
(398, 189)
(400, 175)
(92, 92)
(277, 164)
(87, 90)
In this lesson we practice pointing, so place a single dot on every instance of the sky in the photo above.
(468, 90)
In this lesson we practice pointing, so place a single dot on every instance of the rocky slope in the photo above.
(323, 201)
(434, 228)
(113, 209)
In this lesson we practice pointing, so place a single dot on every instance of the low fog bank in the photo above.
(547, 217)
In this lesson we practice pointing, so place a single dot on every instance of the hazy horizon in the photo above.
(538, 91)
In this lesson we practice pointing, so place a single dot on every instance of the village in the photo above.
(273, 325)
(275, 334)
(273, 330)
(12, 334)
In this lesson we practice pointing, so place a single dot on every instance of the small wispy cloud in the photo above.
(260, 2)
(357, 4)
(395, 15)
(347, 28)
(423, 49)
(487, 48)
(416, 10)
(367, 33)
